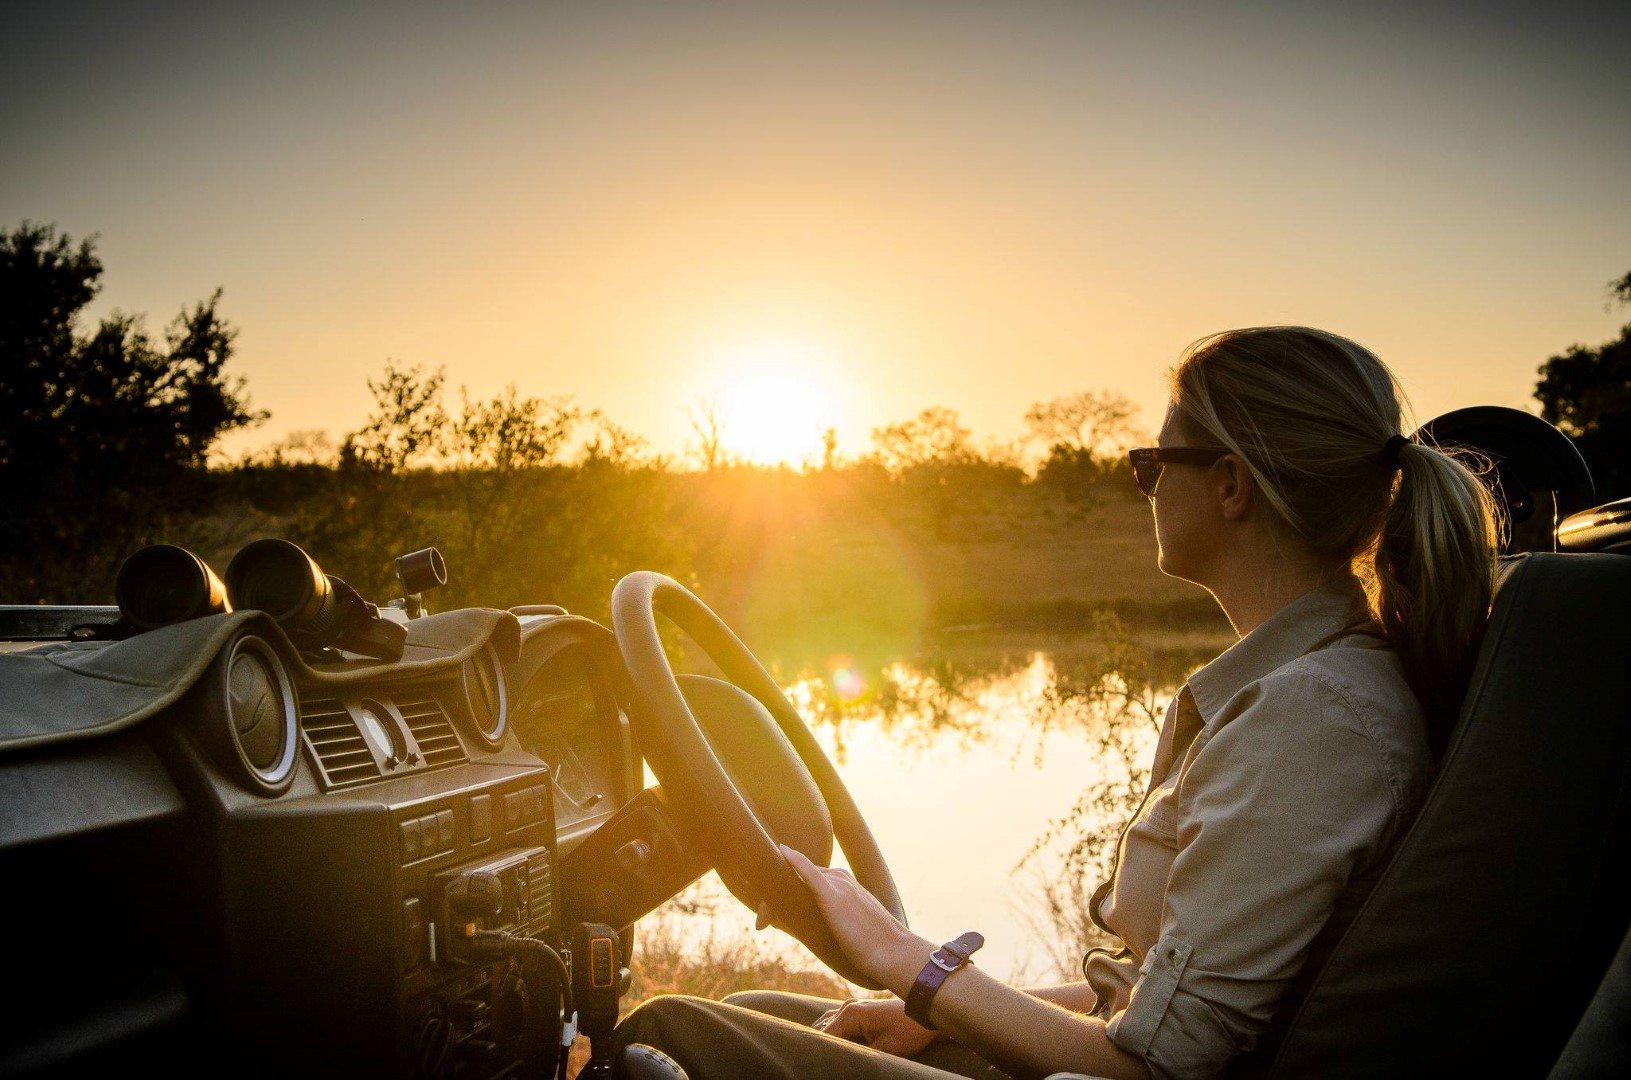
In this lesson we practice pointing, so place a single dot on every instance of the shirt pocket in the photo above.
(1160, 818)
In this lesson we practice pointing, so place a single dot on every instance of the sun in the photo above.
(773, 400)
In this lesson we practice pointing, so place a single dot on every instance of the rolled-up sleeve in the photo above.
(1275, 812)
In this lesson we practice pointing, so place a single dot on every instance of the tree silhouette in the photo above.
(829, 449)
(936, 436)
(1085, 434)
(408, 422)
(96, 429)
(1620, 288)
(1098, 424)
(1587, 392)
(709, 429)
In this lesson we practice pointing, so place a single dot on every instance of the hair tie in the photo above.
(1390, 452)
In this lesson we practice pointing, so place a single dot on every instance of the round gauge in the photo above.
(260, 708)
(485, 697)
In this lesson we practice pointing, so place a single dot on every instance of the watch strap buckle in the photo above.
(942, 963)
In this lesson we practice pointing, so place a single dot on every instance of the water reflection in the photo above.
(996, 772)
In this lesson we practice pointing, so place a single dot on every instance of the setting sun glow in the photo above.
(772, 401)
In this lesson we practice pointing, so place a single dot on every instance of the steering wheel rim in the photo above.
(699, 783)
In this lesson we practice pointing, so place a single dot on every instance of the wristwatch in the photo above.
(942, 962)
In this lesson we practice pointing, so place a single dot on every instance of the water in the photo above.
(955, 817)
(968, 758)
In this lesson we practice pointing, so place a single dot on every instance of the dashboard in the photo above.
(280, 873)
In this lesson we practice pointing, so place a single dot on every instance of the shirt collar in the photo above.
(1307, 623)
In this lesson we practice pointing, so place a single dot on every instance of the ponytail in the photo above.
(1435, 577)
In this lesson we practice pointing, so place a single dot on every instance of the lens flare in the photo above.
(846, 682)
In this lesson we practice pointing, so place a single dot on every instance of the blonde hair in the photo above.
(1311, 414)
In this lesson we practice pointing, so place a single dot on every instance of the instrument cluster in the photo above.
(566, 714)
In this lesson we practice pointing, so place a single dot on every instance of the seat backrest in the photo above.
(1600, 1048)
(1489, 931)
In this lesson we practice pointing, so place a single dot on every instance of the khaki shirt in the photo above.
(1285, 771)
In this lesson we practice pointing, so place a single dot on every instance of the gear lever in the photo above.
(599, 980)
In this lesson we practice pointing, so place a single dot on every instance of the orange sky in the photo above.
(971, 205)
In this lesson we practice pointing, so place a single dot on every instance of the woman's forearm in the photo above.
(1021, 1031)
(1078, 997)
(1025, 1035)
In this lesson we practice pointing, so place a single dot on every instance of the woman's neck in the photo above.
(1254, 588)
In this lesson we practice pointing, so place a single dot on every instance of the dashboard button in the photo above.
(410, 840)
(415, 943)
(481, 818)
(444, 830)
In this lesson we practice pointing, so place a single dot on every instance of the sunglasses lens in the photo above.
(1147, 474)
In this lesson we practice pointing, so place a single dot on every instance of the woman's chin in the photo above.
(1175, 567)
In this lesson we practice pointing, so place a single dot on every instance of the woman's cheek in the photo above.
(1172, 557)
(1163, 541)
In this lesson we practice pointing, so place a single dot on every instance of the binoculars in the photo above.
(163, 584)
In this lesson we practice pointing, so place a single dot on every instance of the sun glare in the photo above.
(773, 400)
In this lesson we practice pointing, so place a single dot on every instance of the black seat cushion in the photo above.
(1485, 938)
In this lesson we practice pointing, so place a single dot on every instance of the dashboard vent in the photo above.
(427, 720)
(342, 754)
(541, 888)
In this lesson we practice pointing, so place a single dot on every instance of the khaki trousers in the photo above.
(767, 1033)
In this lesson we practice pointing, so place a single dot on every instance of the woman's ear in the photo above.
(1235, 487)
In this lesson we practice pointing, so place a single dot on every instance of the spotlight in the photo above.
(419, 572)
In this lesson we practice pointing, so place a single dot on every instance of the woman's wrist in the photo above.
(900, 962)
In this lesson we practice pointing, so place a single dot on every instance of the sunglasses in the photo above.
(1149, 462)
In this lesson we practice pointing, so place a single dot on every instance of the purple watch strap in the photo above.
(942, 962)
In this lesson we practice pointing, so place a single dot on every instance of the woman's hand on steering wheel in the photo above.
(885, 950)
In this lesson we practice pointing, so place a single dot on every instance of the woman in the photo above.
(1357, 568)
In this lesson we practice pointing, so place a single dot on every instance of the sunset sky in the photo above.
(854, 210)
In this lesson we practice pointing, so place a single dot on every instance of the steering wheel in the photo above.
(705, 767)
